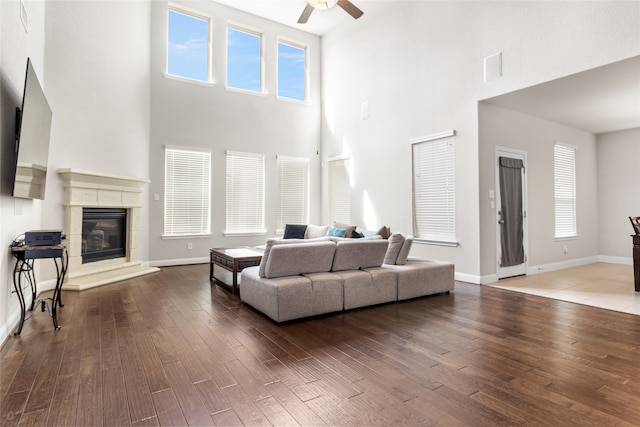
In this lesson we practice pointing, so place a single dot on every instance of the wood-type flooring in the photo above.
(172, 348)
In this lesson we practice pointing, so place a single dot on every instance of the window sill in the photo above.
(293, 100)
(244, 233)
(436, 242)
(246, 91)
(186, 236)
(188, 80)
(562, 239)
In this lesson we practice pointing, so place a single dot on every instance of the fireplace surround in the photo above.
(85, 189)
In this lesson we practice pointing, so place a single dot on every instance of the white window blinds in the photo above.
(245, 193)
(564, 157)
(187, 192)
(339, 191)
(434, 214)
(293, 192)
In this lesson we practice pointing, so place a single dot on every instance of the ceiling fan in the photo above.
(346, 5)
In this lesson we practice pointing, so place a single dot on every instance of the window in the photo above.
(245, 193)
(564, 171)
(244, 60)
(188, 46)
(293, 192)
(187, 192)
(434, 211)
(291, 71)
(339, 191)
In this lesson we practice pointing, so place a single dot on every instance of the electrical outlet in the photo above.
(565, 249)
(189, 246)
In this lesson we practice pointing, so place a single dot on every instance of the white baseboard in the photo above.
(543, 268)
(468, 278)
(616, 260)
(183, 261)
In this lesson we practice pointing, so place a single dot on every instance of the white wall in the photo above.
(93, 61)
(420, 65)
(501, 127)
(213, 117)
(16, 215)
(97, 62)
(619, 195)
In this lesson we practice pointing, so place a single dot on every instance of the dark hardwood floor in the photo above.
(171, 348)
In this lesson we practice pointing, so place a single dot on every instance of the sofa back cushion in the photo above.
(355, 254)
(273, 241)
(295, 259)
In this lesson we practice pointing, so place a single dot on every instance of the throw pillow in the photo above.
(395, 244)
(294, 231)
(314, 231)
(384, 231)
(356, 235)
(348, 228)
(404, 252)
(336, 232)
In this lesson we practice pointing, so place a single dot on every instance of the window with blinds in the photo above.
(434, 190)
(564, 171)
(339, 190)
(187, 192)
(293, 192)
(245, 193)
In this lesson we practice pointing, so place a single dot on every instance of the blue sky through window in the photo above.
(188, 47)
(243, 60)
(291, 71)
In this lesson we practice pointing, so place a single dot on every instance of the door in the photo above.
(511, 214)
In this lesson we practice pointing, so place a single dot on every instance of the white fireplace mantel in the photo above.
(85, 189)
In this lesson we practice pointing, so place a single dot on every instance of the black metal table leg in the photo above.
(17, 285)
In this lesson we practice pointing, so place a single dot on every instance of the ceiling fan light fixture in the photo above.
(322, 4)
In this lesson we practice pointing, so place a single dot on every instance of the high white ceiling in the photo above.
(287, 12)
(604, 99)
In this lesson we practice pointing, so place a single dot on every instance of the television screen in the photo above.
(33, 130)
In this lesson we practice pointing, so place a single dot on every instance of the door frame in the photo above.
(521, 269)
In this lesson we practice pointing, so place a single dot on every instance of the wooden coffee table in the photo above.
(233, 260)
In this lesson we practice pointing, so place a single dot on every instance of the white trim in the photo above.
(186, 236)
(180, 261)
(468, 278)
(424, 241)
(339, 157)
(180, 147)
(433, 137)
(208, 83)
(543, 268)
(615, 259)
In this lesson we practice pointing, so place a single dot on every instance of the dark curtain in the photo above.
(511, 220)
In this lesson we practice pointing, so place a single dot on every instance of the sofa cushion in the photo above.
(396, 241)
(336, 232)
(294, 231)
(315, 231)
(404, 252)
(272, 242)
(348, 228)
(384, 231)
(354, 254)
(296, 259)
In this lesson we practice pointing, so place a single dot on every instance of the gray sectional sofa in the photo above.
(306, 277)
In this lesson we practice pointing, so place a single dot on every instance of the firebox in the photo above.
(104, 234)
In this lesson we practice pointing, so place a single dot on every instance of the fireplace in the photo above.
(104, 234)
(104, 248)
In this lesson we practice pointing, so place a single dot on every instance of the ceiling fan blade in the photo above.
(306, 13)
(350, 8)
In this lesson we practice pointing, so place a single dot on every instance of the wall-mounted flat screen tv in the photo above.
(33, 131)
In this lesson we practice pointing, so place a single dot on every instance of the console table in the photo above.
(636, 261)
(24, 277)
(233, 260)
